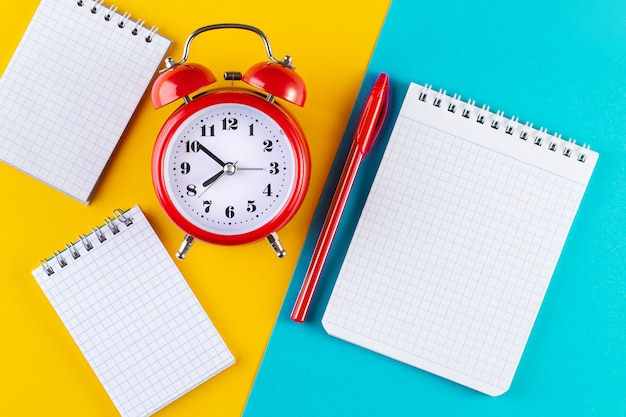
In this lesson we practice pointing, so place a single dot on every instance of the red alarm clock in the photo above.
(230, 166)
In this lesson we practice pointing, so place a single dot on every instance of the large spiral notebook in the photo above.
(71, 88)
(133, 315)
(458, 240)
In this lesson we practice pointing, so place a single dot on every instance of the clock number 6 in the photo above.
(230, 212)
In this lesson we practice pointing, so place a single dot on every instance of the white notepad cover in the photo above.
(458, 240)
(70, 89)
(134, 317)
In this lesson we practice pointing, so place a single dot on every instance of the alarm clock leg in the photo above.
(184, 247)
(276, 245)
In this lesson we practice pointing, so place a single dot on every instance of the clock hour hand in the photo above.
(207, 184)
(211, 154)
(229, 169)
(213, 178)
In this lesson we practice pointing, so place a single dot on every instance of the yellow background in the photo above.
(42, 371)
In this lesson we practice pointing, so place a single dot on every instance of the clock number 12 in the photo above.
(229, 124)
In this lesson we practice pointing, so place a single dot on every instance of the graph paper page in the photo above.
(134, 318)
(69, 91)
(457, 241)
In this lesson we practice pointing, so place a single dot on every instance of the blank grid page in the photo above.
(135, 319)
(453, 252)
(69, 91)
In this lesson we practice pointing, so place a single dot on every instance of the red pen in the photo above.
(367, 130)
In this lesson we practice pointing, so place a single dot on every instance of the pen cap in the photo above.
(373, 115)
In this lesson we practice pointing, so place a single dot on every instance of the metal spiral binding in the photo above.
(122, 22)
(109, 15)
(511, 126)
(101, 236)
(74, 250)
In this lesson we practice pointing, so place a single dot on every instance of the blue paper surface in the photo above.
(558, 64)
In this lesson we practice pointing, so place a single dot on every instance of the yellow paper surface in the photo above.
(41, 370)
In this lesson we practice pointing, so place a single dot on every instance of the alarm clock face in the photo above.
(231, 168)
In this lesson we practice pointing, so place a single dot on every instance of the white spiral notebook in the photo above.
(133, 315)
(70, 89)
(458, 240)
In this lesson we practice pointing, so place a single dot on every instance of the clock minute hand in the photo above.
(211, 154)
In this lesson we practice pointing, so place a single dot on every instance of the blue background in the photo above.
(558, 64)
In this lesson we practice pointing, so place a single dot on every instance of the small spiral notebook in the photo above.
(71, 88)
(458, 240)
(133, 315)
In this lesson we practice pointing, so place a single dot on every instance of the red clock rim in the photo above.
(293, 133)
